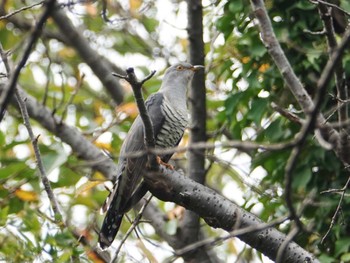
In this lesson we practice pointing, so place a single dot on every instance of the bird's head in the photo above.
(182, 70)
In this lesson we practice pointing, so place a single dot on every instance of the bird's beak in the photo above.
(197, 67)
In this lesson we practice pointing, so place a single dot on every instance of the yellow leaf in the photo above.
(130, 109)
(99, 176)
(93, 256)
(103, 145)
(24, 195)
(91, 9)
(67, 52)
(86, 187)
(135, 4)
(184, 43)
(264, 67)
(245, 60)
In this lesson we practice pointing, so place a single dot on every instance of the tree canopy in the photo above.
(262, 171)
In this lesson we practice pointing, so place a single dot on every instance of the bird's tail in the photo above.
(109, 228)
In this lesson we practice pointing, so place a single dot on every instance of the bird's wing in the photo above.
(128, 190)
(130, 169)
(136, 142)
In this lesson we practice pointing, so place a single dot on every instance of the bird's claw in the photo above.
(160, 162)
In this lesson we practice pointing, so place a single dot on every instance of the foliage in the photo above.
(242, 84)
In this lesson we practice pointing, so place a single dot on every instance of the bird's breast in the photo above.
(173, 127)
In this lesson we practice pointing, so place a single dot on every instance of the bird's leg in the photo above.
(160, 162)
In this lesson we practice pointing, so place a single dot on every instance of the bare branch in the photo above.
(43, 176)
(330, 5)
(287, 114)
(10, 90)
(189, 228)
(209, 242)
(342, 93)
(334, 217)
(270, 41)
(21, 10)
(169, 185)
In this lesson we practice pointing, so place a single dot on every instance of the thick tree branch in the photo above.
(188, 231)
(270, 41)
(219, 212)
(341, 147)
(312, 110)
(99, 65)
(82, 147)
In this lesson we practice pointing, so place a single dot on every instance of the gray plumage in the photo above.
(169, 115)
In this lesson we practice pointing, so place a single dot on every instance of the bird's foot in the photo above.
(160, 162)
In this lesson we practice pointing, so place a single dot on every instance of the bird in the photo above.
(168, 112)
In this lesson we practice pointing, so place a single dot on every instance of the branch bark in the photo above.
(218, 212)
(188, 231)
(82, 147)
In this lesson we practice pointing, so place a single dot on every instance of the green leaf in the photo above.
(326, 259)
(302, 177)
(342, 246)
(3, 215)
(275, 131)
(232, 102)
(257, 110)
(345, 257)
(150, 24)
(235, 6)
(54, 160)
(12, 169)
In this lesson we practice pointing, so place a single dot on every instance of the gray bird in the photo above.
(168, 111)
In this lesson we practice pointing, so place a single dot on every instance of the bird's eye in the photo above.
(179, 67)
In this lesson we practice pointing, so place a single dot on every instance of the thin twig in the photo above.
(287, 114)
(342, 94)
(334, 217)
(7, 95)
(243, 146)
(212, 241)
(132, 227)
(331, 5)
(20, 10)
(43, 176)
(288, 178)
